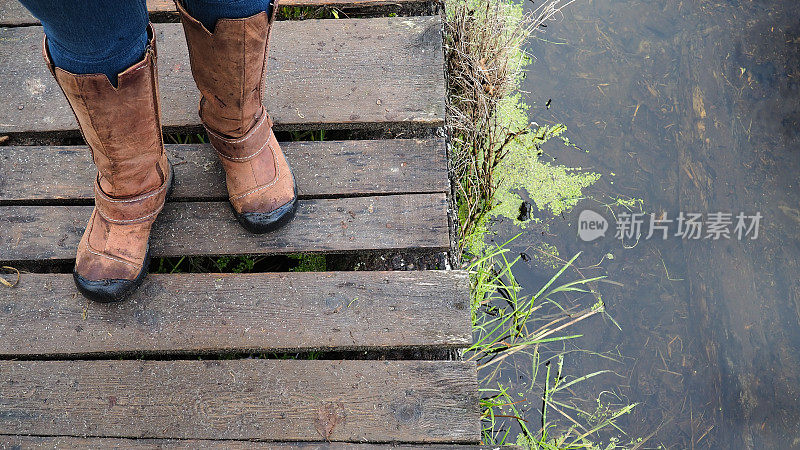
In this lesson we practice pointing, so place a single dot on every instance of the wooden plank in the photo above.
(209, 228)
(335, 168)
(50, 442)
(169, 5)
(322, 74)
(12, 13)
(239, 312)
(406, 401)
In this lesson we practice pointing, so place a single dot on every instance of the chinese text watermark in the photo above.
(634, 226)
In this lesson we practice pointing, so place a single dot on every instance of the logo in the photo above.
(591, 225)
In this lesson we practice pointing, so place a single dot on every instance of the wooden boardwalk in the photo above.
(147, 373)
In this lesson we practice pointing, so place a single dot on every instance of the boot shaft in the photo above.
(121, 125)
(228, 67)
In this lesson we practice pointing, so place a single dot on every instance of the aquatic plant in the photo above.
(552, 188)
(494, 154)
(505, 323)
(486, 121)
(484, 66)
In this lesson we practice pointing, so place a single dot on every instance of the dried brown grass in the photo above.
(485, 59)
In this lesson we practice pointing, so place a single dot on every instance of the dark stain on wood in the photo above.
(329, 415)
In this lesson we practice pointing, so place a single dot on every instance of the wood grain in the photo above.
(209, 228)
(334, 168)
(12, 13)
(51, 442)
(200, 313)
(406, 401)
(322, 74)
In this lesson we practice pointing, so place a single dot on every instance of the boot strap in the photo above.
(123, 211)
(241, 149)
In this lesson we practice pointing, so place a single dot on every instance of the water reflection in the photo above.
(695, 107)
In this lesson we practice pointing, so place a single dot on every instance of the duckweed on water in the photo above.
(553, 188)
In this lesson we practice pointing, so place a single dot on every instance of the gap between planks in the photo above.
(158, 444)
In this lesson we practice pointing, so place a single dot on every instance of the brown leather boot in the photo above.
(122, 127)
(228, 67)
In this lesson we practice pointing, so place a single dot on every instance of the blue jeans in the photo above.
(108, 36)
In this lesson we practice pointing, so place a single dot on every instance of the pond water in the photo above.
(693, 107)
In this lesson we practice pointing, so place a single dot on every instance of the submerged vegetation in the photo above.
(495, 154)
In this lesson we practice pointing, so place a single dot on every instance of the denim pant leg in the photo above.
(108, 36)
(93, 36)
(209, 11)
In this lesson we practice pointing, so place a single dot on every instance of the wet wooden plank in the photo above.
(405, 401)
(335, 168)
(12, 13)
(49, 442)
(322, 74)
(209, 228)
(200, 313)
